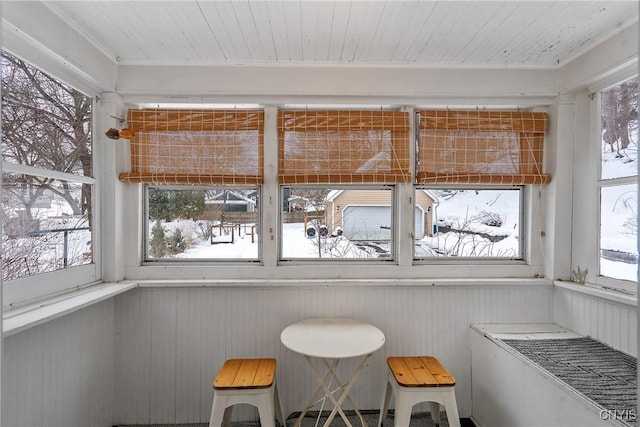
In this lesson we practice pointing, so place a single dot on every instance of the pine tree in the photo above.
(158, 244)
(176, 242)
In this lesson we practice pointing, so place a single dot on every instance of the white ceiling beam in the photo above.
(31, 31)
(333, 82)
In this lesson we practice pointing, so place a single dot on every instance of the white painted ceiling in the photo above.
(531, 34)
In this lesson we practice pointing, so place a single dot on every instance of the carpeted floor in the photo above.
(604, 375)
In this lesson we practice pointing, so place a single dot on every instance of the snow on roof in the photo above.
(333, 194)
(239, 198)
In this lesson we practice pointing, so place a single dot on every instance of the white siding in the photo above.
(61, 373)
(610, 322)
(171, 342)
(149, 356)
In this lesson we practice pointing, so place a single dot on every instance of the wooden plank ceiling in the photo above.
(542, 34)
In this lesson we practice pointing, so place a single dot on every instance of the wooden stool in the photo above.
(419, 379)
(250, 381)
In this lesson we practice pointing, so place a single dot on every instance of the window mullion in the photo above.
(269, 237)
(46, 173)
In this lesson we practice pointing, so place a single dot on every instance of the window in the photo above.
(343, 147)
(469, 223)
(196, 147)
(337, 223)
(47, 183)
(203, 169)
(480, 147)
(618, 181)
(212, 223)
(338, 168)
(475, 164)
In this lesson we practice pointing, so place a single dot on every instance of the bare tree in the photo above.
(46, 124)
(314, 204)
(620, 116)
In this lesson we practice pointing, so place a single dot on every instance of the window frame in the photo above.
(627, 286)
(24, 290)
(394, 245)
(524, 229)
(147, 260)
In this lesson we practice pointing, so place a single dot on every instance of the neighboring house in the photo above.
(230, 201)
(367, 215)
(253, 195)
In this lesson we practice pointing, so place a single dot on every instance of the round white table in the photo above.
(331, 340)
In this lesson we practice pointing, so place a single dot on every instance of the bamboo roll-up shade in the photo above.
(481, 147)
(343, 147)
(205, 147)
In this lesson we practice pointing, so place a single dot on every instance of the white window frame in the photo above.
(525, 229)
(147, 260)
(31, 288)
(393, 259)
(272, 268)
(26, 290)
(627, 286)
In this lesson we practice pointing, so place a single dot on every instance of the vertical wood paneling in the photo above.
(158, 350)
(61, 373)
(182, 337)
(612, 323)
(127, 352)
(189, 355)
(162, 362)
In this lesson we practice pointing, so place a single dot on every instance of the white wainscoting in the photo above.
(61, 373)
(171, 341)
(601, 315)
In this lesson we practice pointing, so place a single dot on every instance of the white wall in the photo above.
(612, 321)
(61, 373)
(171, 341)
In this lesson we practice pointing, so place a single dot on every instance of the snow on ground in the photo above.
(296, 245)
(618, 270)
(614, 166)
(618, 216)
(466, 213)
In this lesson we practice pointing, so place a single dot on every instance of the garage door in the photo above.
(372, 222)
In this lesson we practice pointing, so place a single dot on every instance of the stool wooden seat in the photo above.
(250, 381)
(416, 379)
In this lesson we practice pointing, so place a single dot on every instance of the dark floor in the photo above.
(421, 419)
(370, 417)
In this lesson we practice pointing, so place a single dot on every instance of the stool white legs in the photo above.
(407, 397)
(266, 400)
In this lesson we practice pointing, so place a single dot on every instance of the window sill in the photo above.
(608, 294)
(309, 283)
(20, 319)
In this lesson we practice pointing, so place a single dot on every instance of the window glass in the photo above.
(337, 223)
(619, 231)
(45, 123)
(45, 226)
(619, 120)
(618, 249)
(202, 223)
(468, 223)
(47, 165)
